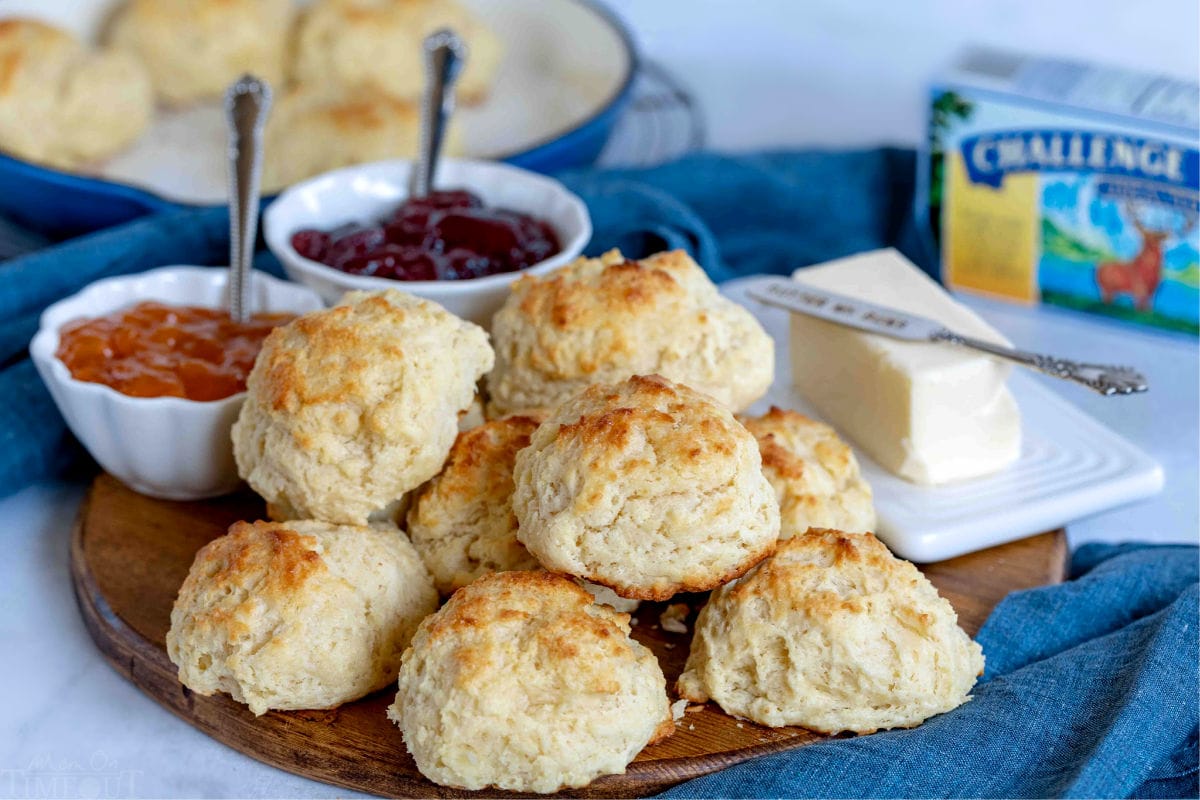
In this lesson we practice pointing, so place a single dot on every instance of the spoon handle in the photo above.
(1106, 379)
(247, 102)
(445, 55)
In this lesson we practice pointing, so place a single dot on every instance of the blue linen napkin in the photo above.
(1090, 691)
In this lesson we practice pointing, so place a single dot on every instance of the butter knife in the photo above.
(800, 298)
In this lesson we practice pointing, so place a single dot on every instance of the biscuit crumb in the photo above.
(669, 645)
(633, 621)
(673, 616)
(678, 707)
(739, 724)
(694, 709)
(691, 727)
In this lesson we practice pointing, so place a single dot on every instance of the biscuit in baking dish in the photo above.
(601, 320)
(815, 474)
(314, 131)
(832, 633)
(376, 46)
(63, 104)
(647, 487)
(195, 48)
(349, 408)
(299, 614)
(521, 682)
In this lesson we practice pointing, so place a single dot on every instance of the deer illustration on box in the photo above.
(1140, 276)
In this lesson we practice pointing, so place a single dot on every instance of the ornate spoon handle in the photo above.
(1102, 378)
(445, 55)
(247, 102)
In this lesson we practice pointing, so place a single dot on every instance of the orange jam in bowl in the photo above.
(158, 350)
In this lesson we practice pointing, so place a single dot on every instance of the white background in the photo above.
(841, 73)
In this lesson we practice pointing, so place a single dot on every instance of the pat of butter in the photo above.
(930, 413)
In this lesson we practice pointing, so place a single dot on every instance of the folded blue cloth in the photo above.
(1090, 691)
(736, 215)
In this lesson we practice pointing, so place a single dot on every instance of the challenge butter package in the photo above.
(1068, 184)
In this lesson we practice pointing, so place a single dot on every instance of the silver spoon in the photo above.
(247, 103)
(445, 55)
(803, 298)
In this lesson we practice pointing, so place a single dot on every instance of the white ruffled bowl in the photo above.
(165, 447)
(368, 192)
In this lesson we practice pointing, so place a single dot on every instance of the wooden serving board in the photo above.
(130, 553)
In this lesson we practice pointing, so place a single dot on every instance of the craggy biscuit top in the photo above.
(301, 614)
(831, 633)
(522, 682)
(559, 617)
(645, 486)
(641, 426)
(350, 407)
(272, 559)
(815, 474)
(462, 522)
(480, 463)
(605, 319)
(338, 355)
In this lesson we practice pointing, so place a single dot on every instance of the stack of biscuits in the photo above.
(348, 74)
(612, 468)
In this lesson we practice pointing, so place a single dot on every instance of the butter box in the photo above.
(1066, 183)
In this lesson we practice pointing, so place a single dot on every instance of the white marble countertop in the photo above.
(73, 727)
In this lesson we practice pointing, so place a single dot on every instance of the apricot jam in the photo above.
(157, 350)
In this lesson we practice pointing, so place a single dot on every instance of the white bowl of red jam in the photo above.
(485, 224)
(149, 372)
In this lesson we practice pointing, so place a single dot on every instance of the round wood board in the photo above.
(130, 553)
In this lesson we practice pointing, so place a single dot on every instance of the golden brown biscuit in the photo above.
(195, 48)
(63, 104)
(462, 522)
(647, 487)
(521, 682)
(376, 46)
(815, 474)
(299, 614)
(832, 633)
(349, 408)
(601, 320)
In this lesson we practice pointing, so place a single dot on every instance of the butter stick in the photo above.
(930, 413)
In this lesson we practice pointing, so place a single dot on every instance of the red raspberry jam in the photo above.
(447, 236)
